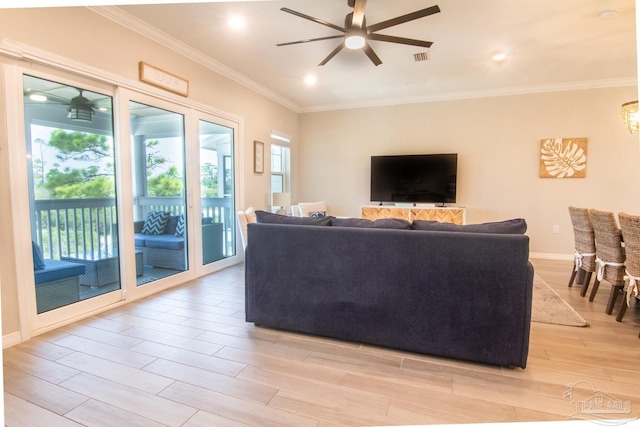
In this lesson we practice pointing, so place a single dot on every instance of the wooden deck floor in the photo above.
(185, 357)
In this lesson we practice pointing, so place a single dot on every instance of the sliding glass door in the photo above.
(217, 191)
(118, 216)
(72, 189)
(159, 190)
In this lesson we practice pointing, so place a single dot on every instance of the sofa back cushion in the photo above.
(271, 218)
(155, 222)
(510, 226)
(172, 225)
(38, 259)
(392, 223)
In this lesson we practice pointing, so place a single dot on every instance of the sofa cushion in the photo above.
(271, 218)
(392, 223)
(38, 259)
(181, 226)
(57, 270)
(164, 241)
(510, 226)
(155, 222)
(139, 239)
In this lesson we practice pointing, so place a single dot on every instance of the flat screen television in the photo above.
(418, 178)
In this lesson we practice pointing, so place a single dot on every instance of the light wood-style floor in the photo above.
(186, 357)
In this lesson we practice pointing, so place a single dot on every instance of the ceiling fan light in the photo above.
(355, 42)
(80, 109)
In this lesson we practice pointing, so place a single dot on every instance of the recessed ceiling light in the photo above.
(499, 57)
(236, 22)
(37, 97)
(310, 80)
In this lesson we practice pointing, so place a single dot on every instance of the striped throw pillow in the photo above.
(180, 228)
(155, 222)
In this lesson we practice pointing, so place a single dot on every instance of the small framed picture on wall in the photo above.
(258, 157)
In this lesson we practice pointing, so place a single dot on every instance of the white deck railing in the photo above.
(79, 226)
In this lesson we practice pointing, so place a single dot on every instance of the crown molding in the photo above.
(489, 93)
(129, 21)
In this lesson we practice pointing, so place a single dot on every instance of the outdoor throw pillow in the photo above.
(264, 217)
(38, 259)
(155, 222)
(511, 226)
(318, 214)
(180, 228)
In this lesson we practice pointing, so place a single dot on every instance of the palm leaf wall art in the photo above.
(563, 158)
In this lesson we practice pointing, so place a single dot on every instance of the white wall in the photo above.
(497, 141)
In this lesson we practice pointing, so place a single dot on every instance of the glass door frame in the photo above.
(31, 323)
(193, 155)
(126, 236)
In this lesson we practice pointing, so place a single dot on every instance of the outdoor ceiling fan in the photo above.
(78, 107)
(357, 34)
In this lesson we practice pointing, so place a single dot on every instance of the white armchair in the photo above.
(245, 217)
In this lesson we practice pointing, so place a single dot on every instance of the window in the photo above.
(279, 162)
(280, 170)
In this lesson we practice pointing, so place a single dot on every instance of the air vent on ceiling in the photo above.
(422, 56)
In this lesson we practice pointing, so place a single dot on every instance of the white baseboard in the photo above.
(12, 339)
(556, 257)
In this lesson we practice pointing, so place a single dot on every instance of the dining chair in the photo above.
(609, 255)
(584, 262)
(630, 228)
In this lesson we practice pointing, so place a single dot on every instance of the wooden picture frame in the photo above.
(258, 157)
(563, 158)
(163, 79)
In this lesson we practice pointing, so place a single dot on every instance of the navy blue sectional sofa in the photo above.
(463, 294)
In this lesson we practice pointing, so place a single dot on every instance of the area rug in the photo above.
(549, 307)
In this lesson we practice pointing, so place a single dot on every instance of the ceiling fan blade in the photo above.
(400, 40)
(372, 55)
(358, 13)
(332, 54)
(311, 40)
(404, 18)
(316, 20)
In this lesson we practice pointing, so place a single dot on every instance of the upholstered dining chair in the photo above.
(630, 228)
(584, 262)
(609, 255)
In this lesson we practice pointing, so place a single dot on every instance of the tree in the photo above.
(90, 175)
(84, 147)
(165, 184)
(154, 160)
(209, 176)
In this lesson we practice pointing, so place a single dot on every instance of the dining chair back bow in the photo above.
(610, 256)
(584, 261)
(630, 228)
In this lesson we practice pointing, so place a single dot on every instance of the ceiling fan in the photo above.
(357, 33)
